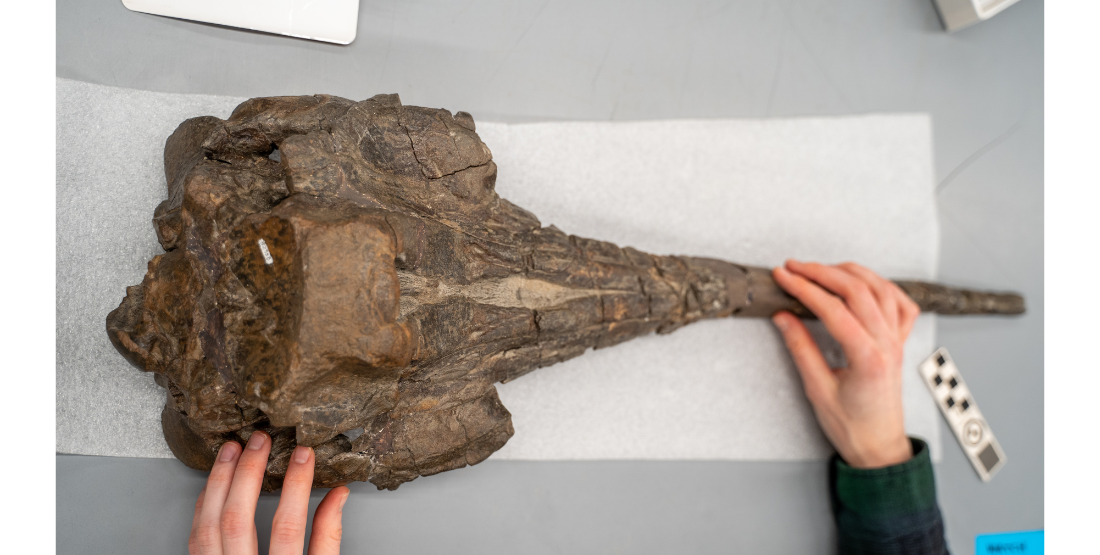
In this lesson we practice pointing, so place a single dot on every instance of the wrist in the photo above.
(880, 454)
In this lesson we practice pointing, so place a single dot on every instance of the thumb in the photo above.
(328, 523)
(817, 377)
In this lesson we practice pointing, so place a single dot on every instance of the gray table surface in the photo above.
(535, 60)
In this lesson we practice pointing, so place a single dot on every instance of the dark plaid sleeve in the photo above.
(888, 511)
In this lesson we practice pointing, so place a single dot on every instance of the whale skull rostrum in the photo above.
(368, 278)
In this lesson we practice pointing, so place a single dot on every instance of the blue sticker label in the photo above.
(1010, 543)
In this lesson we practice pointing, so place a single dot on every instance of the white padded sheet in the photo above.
(751, 191)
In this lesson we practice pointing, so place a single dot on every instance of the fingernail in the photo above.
(781, 271)
(256, 440)
(301, 454)
(780, 322)
(344, 502)
(228, 451)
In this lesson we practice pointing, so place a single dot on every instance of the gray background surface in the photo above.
(537, 61)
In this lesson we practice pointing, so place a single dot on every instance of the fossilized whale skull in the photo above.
(334, 266)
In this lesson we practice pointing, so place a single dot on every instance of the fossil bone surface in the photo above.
(334, 266)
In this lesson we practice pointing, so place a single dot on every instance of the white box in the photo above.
(324, 20)
(956, 14)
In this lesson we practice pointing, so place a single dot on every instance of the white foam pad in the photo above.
(751, 191)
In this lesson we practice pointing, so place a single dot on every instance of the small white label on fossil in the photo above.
(267, 254)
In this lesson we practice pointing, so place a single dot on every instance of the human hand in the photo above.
(225, 514)
(859, 407)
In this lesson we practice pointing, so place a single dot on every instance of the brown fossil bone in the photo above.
(334, 265)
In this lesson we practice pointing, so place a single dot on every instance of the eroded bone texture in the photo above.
(332, 266)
